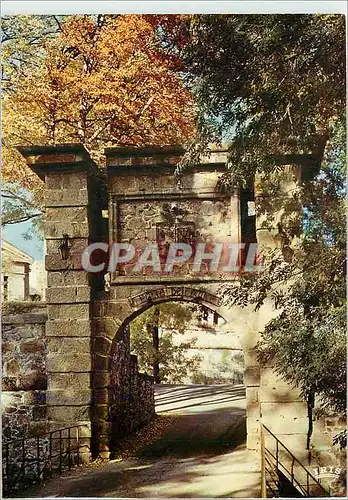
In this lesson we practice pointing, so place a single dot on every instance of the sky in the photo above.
(14, 234)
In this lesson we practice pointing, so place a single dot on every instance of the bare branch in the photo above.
(58, 23)
(20, 219)
(14, 196)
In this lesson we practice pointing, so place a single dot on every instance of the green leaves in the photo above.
(307, 338)
(174, 360)
(310, 354)
(270, 84)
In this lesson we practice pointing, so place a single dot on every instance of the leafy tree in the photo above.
(166, 358)
(307, 338)
(265, 84)
(24, 40)
(97, 80)
(270, 86)
(18, 206)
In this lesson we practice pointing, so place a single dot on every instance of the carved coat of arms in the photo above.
(174, 229)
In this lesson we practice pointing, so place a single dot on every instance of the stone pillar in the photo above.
(278, 224)
(73, 209)
(252, 389)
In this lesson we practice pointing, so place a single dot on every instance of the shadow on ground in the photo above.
(202, 453)
(175, 398)
(197, 434)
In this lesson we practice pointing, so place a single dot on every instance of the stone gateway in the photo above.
(91, 376)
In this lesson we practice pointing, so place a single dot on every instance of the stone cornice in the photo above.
(43, 159)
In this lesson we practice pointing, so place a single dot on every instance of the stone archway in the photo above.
(131, 394)
(152, 296)
(144, 202)
(114, 331)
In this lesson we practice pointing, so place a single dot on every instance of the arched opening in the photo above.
(197, 374)
(186, 343)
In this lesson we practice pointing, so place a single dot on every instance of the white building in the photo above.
(22, 278)
(38, 280)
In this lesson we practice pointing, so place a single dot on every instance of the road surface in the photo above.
(201, 453)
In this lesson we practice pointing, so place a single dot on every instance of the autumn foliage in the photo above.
(101, 81)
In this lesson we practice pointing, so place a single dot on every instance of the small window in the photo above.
(251, 208)
(247, 221)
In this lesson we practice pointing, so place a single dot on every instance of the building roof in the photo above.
(15, 253)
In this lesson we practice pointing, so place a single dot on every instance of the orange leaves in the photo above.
(100, 81)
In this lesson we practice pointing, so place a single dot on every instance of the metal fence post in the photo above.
(69, 454)
(60, 451)
(7, 468)
(33, 466)
(23, 457)
(50, 452)
(78, 444)
(263, 464)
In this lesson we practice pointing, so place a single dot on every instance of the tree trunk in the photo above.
(155, 343)
(310, 406)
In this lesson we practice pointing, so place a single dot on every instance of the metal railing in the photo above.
(29, 460)
(282, 474)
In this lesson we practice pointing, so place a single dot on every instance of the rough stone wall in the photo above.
(210, 220)
(24, 378)
(131, 393)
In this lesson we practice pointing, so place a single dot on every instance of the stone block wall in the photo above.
(74, 203)
(278, 225)
(324, 452)
(24, 378)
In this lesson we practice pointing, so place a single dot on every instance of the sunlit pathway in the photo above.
(201, 454)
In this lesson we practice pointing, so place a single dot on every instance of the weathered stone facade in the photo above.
(139, 221)
(24, 380)
(85, 323)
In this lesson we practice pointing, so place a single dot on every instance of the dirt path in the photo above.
(201, 453)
